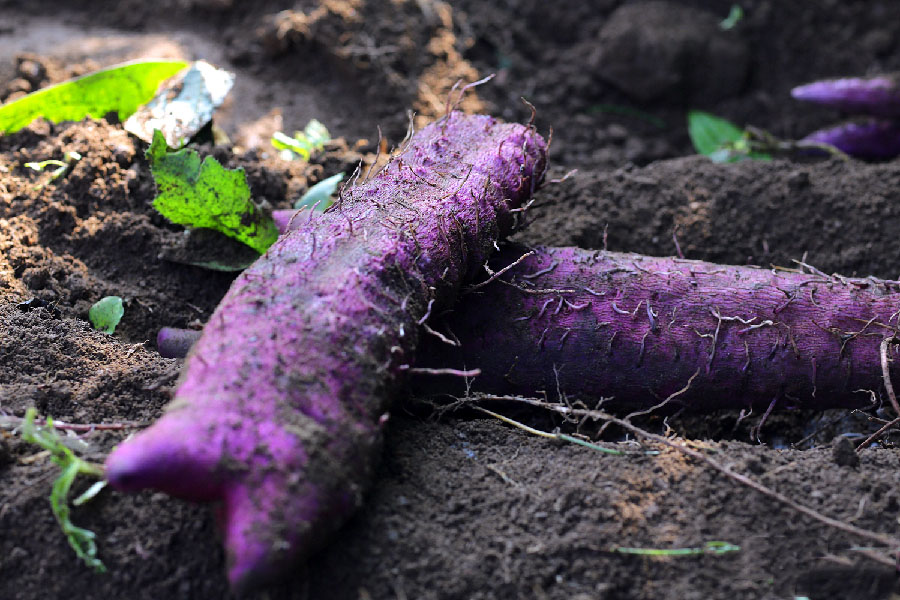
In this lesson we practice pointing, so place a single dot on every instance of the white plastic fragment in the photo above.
(183, 104)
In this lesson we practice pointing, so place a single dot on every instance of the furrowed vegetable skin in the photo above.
(280, 407)
(478, 319)
(877, 96)
(641, 329)
(873, 139)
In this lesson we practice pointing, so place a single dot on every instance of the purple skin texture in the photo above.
(175, 343)
(280, 408)
(480, 319)
(872, 139)
(638, 329)
(877, 96)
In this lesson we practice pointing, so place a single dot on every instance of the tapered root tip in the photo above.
(811, 92)
(244, 524)
(158, 459)
(269, 526)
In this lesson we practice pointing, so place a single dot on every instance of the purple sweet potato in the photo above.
(872, 139)
(641, 329)
(175, 343)
(279, 411)
(878, 96)
(483, 320)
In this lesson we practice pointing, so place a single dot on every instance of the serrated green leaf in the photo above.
(121, 89)
(319, 195)
(206, 194)
(106, 313)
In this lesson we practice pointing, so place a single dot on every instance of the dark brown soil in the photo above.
(462, 507)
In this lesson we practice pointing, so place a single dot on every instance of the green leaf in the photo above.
(734, 17)
(715, 547)
(61, 165)
(313, 137)
(710, 133)
(81, 540)
(722, 141)
(106, 313)
(207, 195)
(320, 194)
(122, 89)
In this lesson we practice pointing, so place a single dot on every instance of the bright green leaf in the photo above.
(207, 195)
(282, 141)
(319, 195)
(121, 89)
(106, 313)
(709, 132)
(722, 141)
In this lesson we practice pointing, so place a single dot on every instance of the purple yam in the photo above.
(175, 343)
(279, 411)
(877, 96)
(873, 139)
(640, 329)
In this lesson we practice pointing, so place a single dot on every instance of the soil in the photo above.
(462, 506)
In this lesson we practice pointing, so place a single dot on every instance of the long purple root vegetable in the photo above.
(878, 96)
(279, 411)
(645, 330)
(642, 330)
(871, 139)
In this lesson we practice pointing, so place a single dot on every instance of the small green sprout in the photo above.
(313, 138)
(719, 139)
(320, 194)
(62, 166)
(734, 17)
(81, 540)
(707, 548)
(106, 313)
